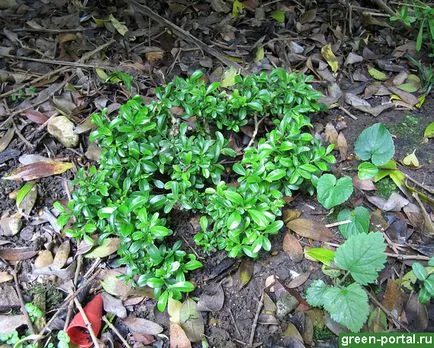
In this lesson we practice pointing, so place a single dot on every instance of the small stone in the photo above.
(62, 129)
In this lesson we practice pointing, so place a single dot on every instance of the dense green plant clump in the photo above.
(170, 154)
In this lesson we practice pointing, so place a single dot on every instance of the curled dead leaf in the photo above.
(310, 229)
(292, 247)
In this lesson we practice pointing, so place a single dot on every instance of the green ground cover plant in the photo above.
(171, 154)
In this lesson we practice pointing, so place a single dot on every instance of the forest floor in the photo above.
(66, 58)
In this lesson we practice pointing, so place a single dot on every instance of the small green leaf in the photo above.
(429, 131)
(419, 271)
(162, 301)
(332, 192)
(258, 217)
(23, 191)
(428, 285)
(377, 74)
(359, 221)
(275, 175)
(367, 170)
(279, 16)
(183, 286)
(323, 255)
(376, 144)
(363, 255)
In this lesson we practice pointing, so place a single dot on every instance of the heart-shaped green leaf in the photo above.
(332, 192)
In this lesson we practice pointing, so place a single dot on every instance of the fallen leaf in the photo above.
(44, 259)
(279, 16)
(292, 247)
(400, 78)
(298, 281)
(392, 299)
(342, 146)
(174, 310)
(323, 255)
(26, 198)
(364, 185)
(35, 116)
(228, 77)
(292, 332)
(377, 321)
(115, 286)
(9, 323)
(191, 321)
(243, 274)
(114, 306)
(62, 255)
(290, 214)
(377, 74)
(416, 314)
(331, 134)
(308, 16)
(17, 254)
(411, 160)
(120, 28)
(406, 97)
(353, 58)
(108, 247)
(38, 170)
(310, 229)
(5, 277)
(330, 57)
(178, 338)
(211, 299)
(6, 139)
(142, 326)
(237, 8)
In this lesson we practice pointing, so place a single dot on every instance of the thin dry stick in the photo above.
(60, 62)
(184, 34)
(347, 112)
(85, 57)
(255, 321)
(71, 305)
(87, 322)
(377, 303)
(424, 212)
(426, 188)
(23, 139)
(20, 297)
(339, 223)
(235, 324)
(255, 131)
(112, 327)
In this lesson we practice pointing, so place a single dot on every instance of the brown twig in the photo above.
(384, 309)
(20, 297)
(23, 139)
(414, 181)
(347, 112)
(60, 62)
(112, 327)
(184, 34)
(87, 322)
(425, 214)
(71, 305)
(255, 131)
(384, 7)
(235, 324)
(255, 321)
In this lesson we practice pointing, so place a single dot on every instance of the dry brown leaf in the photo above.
(298, 281)
(142, 326)
(9, 323)
(108, 247)
(342, 146)
(290, 214)
(5, 277)
(38, 170)
(392, 299)
(44, 259)
(405, 96)
(178, 338)
(292, 247)
(35, 116)
(6, 139)
(62, 254)
(17, 254)
(364, 185)
(211, 299)
(310, 229)
(331, 134)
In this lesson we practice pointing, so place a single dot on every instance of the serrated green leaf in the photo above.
(332, 192)
(359, 221)
(375, 143)
(315, 293)
(363, 256)
(347, 305)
